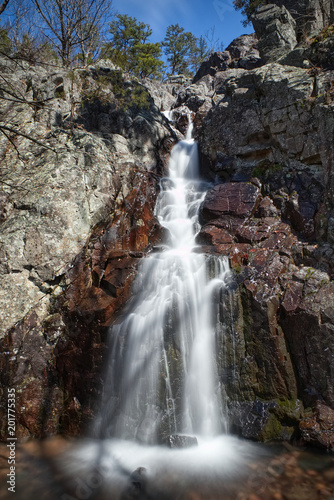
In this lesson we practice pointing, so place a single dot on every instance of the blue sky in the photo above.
(197, 16)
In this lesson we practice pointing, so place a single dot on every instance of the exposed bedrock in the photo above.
(76, 215)
(276, 123)
(269, 136)
(281, 329)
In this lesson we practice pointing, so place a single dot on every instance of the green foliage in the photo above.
(139, 99)
(130, 50)
(127, 37)
(326, 32)
(248, 7)
(112, 88)
(6, 44)
(27, 48)
(60, 93)
(310, 272)
(264, 170)
(179, 47)
(47, 53)
(147, 59)
(126, 32)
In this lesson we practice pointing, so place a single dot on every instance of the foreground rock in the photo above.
(77, 216)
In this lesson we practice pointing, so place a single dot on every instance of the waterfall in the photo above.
(162, 373)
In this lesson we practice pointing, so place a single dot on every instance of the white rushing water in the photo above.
(162, 375)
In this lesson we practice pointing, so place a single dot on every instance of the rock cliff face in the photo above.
(310, 15)
(276, 30)
(79, 174)
(266, 143)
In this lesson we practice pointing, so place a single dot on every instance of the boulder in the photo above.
(318, 429)
(194, 97)
(244, 52)
(231, 199)
(217, 61)
(256, 420)
(275, 29)
(242, 45)
(181, 441)
(241, 53)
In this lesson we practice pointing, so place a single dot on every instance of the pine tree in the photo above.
(6, 44)
(179, 46)
(147, 59)
(129, 47)
(199, 52)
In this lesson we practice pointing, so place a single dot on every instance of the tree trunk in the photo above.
(3, 6)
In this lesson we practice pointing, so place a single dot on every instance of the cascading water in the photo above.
(167, 360)
(162, 376)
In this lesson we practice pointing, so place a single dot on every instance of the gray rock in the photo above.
(241, 53)
(181, 441)
(321, 51)
(218, 61)
(276, 130)
(241, 46)
(57, 189)
(297, 57)
(311, 16)
(275, 29)
(162, 94)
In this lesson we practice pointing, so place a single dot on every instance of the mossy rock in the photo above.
(274, 430)
(288, 412)
(266, 169)
(283, 420)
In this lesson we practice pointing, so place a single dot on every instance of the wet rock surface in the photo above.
(276, 366)
(179, 441)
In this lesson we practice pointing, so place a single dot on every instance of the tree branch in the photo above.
(15, 131)
(3, 6)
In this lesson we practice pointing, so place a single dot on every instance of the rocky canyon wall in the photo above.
(267, 144)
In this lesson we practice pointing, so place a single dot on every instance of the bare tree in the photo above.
(71, 24)
(20, 24)
(92, 32)
(214, 43)
(3, 6)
